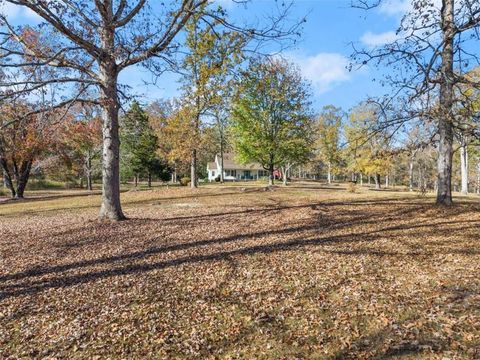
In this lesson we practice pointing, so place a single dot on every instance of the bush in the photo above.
(185, 181)
(43, 184)
(352, 187)
(4, 192)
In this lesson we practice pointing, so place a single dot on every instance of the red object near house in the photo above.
(277, 174)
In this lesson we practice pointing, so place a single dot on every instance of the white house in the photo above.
(234, 171)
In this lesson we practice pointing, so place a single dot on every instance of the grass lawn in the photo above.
(233, 272)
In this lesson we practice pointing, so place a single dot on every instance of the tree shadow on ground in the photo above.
(300, 236)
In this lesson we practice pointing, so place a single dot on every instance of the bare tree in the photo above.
(430, 57)
(90, 42)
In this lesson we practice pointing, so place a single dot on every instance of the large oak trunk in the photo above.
(445, 126)
(111, 208)
(22, 178)
(16, 177)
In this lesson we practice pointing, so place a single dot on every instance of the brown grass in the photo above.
(305, 271)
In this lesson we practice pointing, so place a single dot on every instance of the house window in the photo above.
(213, 173)
(231, 173)
(262, 173)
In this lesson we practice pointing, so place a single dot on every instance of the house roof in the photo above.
(211, 166)
(229, 163)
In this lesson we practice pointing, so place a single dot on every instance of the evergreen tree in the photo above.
(139, 144)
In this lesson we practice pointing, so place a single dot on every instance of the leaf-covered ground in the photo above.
(240, 273)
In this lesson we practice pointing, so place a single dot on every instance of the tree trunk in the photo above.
(410, 172)
(387, 181)
(89, 182)
(329, 173)
(464, 165)
(22, 178)
(7, 177)
(221, 159)
(284, 175)
(193, 170)
(478, 178)
(271, 176)
(111, 208)
(135, 180)
(445, 126)
(174, 174)
(377, 181)
(361, 179)
(149, 180)
(88, 171)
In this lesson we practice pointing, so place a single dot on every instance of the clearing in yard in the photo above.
(306, 271)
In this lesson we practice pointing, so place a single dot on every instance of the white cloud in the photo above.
(372, 39)
(16, 12)
(324, 70)
(402, 7)
(395, 7)
(10, 10)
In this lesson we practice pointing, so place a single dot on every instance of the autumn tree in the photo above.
(417, 137)
(368, 152)
(213, 51)
(90, 42)
(161, 113)
(271, 115)
(178, 137)
(22, 140)
(79, 141)
(427, 63)
(466, 129)
(327, 143)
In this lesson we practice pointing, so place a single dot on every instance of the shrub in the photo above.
(185, 181)
(352, 187)
(4, 192)
(44, 184)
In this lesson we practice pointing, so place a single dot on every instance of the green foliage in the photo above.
(328, 128)
(47, 184)
(271, 115)
(160, 169)
(139, 143)
(213, 51)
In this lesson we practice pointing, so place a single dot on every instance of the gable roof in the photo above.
(229, 163)
(212, 166)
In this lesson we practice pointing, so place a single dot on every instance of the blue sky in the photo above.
(322, 53)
